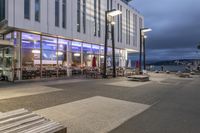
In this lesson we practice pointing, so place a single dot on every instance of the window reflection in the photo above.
(30, 56)
(49, 56)
(75, 54)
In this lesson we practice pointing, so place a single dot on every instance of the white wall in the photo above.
(47, 21)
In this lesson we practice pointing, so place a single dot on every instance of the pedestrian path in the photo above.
(93, 115)
(25, 90)
(127, 83)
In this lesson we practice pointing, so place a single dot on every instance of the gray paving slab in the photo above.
(176, 113)
(93, 115)
(25, 90)
(175, 102)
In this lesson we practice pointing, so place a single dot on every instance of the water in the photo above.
(171, 68)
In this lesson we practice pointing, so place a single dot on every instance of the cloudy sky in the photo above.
(176, 27)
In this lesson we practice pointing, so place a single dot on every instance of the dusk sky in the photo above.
(176, 27)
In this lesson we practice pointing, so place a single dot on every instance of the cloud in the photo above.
(175, 23)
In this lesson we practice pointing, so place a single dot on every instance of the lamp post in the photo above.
(111, 14)
(144, 52)
(142, 31)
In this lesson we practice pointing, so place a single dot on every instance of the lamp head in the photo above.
(114, 12)
(146, 30)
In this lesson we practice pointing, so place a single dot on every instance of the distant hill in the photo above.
(171, 62)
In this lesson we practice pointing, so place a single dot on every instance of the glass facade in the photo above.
(37, 10)
(84, 16)
(38, 56)
(2, 10)
(57, 13)
(30, 55)
(78, 15)
(64, 13)
(95, 17)
(128, 27)
(119, 24)
(99, 18)
(135, 29)
(27, 9)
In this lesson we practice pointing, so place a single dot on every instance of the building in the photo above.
(58, 34)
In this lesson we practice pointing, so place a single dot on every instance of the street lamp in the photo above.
(144, 51)
(142, 31)
(110, 15)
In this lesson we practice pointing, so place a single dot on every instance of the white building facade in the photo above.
(64, 33)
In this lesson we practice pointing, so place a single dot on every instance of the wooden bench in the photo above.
(24, 121)
(184, 75)
(141, 78)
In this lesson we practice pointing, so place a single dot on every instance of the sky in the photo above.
(175, 25)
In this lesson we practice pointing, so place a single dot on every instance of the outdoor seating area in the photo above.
(46, 72)
(24, 121)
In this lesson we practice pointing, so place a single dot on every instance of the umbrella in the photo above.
(129, 64)
(94, 62)
(109, 62)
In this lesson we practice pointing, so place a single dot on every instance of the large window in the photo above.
(57, 13)
(2, 10)
(128, 27)
(99, 18)
(87, 57)
(135, 30)
(64, 14)
(62, 52)
(140, 23)
(78, 15)
(119, 24)
(30, 56)
(75, 54)
(84, 16)
(37, 10)
(95, 17)
(27, 8)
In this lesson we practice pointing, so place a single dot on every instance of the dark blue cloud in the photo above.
(175, 24)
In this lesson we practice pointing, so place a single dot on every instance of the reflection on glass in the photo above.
(87, 60)
(76, 59)
(76, 47)
(87, 48)
(62, 53)
(30, 56)
(95, 49)
(49, 56)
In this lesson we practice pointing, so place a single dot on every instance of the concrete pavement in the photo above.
(174, 104)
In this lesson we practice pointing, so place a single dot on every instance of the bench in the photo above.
(184, 75)
(24, 121)
(140, 78)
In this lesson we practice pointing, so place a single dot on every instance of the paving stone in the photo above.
(93, 115)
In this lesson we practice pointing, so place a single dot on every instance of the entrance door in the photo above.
(6, 63)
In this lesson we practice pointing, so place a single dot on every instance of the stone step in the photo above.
(141, 78)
